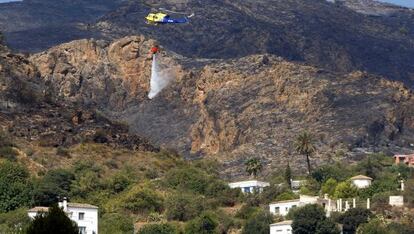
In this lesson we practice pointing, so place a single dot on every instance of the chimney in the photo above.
(65, 204)
(325, 196)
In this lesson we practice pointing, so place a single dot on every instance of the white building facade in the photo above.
(361, 181)
(282, 208)
(250, 186)
(84, 215)
(284, 227)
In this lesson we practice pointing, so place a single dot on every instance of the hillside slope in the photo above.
(343, 36)
(234, 109)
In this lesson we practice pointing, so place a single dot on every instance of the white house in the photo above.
(284, 227)
(250, 186)
(85, 215)
(282, 207)
(361, 181)
(296, 185)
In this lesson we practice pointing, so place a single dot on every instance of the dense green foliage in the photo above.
(54, 184)
(205, 224)
(183, 207)
(14, 222)
(114, 223)
(311, 219)
(15, 186)
(54, 221)
(258, 223)
(143, 200)
(352, 218)
(162, 228)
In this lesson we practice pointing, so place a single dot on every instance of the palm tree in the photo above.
(304, 145)
(253, 166)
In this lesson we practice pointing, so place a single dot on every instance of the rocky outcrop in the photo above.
(110, 75)
(33, 110)
(235, 109)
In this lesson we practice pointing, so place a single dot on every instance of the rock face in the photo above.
(31, 110)
(98, 73)
(343, 36)
(234, 109)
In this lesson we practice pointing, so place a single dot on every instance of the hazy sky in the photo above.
(1, 1)
(407, 3)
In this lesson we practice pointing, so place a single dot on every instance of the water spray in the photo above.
(161, 77)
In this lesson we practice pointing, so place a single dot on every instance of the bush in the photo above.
(289, 195)
(311, 219)
(112, 223)
(14, 221)
(120, 181)
(223, 193)
(155, 217)
(311, 187)
(205, 224)
(188, 178)
(15, 187)
(183, 207)
(9, 153)
(143, 200)
(329, 187)
(375, 226)
(54, 221)
(345, 190)
(258, 224)
(247, 211)
(163, 228)
(272, 192)
(56, 183)
(352, 218)
(337, 172)
(62, 151)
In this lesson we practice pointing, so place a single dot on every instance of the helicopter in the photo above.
(161, 17)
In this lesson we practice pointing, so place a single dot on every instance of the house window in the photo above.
(293, 206)
(81, 216)
(277, 210)
(246, 189)
(82, 230)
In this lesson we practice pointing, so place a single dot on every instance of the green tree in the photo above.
(288, 175)
(143, 200)
(329, 187)
(335, 171)
(311, 187)
(311, 219)
(253, 166)
(354, 217)
(14, 222)
(345, 190)
(327, 226)
(54, 221)
(409, 192)
(374, 226)
(304, 145)
(56, 183)
(258, 224)
(114, 223)
(15, 187)
(188, 178)
(158, 228)
(205, 224)
(288, 195)
(183, 207)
